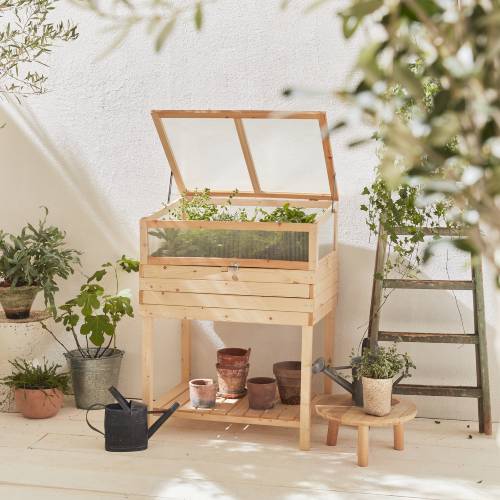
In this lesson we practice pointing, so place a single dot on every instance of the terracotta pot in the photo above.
(287, 374)
(202, 392)
(232, 381)
(261, 393)
(377, 395)
(39, 403)
(233, 357)
(17, 301)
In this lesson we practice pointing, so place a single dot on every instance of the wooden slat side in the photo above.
(171, 395)
(231, 113)
(440, 338)
(435, 390)
(227, 301)
(231, 315)
(428, 284)
(225, 287)
(226, 273)
(240, 129)
(217, 261)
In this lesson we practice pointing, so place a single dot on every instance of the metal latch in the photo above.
(234, 269)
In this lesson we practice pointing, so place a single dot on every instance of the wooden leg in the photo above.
(185, 350)
(305, 388)
(328, 343)
(399, 437)
(363, 445)
(333, 432)
(147, 362)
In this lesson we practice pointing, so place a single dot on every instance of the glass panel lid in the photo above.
(260, 153)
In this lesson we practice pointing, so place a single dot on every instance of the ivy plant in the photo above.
(92, 316)
(382, 363)
(35, 375)
(37, 256)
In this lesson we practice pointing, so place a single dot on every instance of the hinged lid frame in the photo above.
(237, 117)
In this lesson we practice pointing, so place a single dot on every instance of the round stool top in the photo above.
(340, 409)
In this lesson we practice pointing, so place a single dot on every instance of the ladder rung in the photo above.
(428, 231)
(438, 390)
(438, 338)
(429, 284)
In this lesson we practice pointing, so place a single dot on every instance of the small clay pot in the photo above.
(261, 393)
(377, 396)
(17, 301)
(233, 357)
(232, 381)
(288, 375)
(39, 403)
(202, 392)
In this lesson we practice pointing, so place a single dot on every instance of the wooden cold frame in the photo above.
(296, 293)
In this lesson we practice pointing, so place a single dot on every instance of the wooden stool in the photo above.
(339, 410)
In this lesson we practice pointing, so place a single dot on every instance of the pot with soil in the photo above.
(288, 375)
(38, 403)
(38, 387)
(233, 357)
(92, 376)
(261, 393)
(17, 301)
(202, 392)
(232, 381)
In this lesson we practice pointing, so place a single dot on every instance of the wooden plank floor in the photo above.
(61, 459)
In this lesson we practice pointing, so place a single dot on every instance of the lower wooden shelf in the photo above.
(230, 410)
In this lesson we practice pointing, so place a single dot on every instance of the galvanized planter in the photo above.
(92, 377)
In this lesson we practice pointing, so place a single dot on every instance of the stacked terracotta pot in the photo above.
(232, 371)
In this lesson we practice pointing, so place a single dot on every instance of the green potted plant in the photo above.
(92, 318)
(377, 369)
(39, 387)
(30, 262)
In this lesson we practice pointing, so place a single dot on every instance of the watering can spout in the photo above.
(320, 366)
(165, 416)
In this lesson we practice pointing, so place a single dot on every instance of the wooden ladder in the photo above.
(481, 391)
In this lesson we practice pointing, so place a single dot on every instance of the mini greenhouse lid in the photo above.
(260, 153)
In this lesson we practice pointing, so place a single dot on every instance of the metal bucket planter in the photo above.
(92, 377)
(17, 301)
(288, 376)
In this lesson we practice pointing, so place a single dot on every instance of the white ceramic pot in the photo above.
(377, 396)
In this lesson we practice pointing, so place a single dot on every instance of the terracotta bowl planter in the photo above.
(17, 301)
(261, 393)
(232, 381)
(288, 375)
(233, 357)
(39, 403)
(202, 392)
(377, 395)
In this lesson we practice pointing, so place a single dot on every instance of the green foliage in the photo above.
(276, 245)
(95, 314)
(450, 148)
(33, 375)
(36, 257)
(157, 17)
(382, 363)
(26, 40)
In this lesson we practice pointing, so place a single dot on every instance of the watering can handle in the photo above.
(118, 396)
(94, 407)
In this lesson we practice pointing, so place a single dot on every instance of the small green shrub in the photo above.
(33, 375)
(382, 363)
(36, 257)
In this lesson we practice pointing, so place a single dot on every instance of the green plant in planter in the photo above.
(382, 363)
(93, 315)
(35, 375)
(278, 245)
(31, 261)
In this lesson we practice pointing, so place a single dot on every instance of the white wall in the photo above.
(88, 150)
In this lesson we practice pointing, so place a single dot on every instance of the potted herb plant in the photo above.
(39, 388)
(30, 262)
(92, 318)
(377, 369)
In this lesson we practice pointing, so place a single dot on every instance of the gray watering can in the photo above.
(355, 387)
